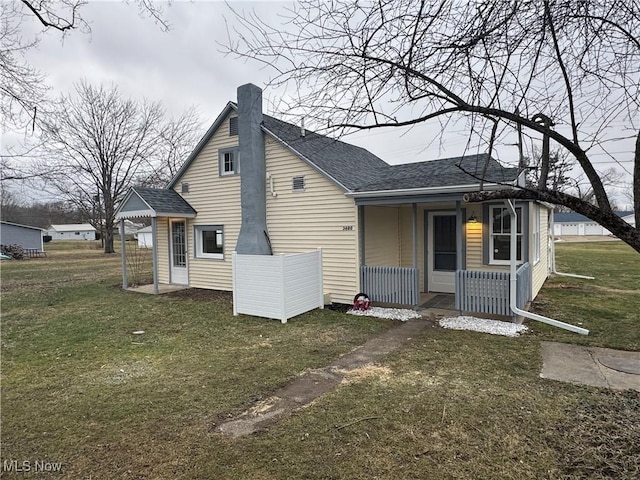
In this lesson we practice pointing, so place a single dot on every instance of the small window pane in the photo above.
(228, 163)
(211, 241)
(502, 247)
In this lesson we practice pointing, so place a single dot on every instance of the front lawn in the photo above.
(609, 305)
(79, 387)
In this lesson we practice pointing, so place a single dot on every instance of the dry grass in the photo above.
(78, 387)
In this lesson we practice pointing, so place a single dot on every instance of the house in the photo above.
(144, 237)
(571, 223)
(256, 184)
(72, 231)
(29, 238)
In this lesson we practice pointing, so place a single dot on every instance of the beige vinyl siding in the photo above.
(474, 239)
(320, 216)
(382, 237)
(217, 201)
(540, 271)
(406, 240)
(162, 237)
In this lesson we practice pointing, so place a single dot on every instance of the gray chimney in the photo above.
(253, 238)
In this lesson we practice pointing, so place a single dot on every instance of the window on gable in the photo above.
(500, 235)
(233, 126)
(228, 161)
(298, 184)
(185, 187)
(209, 241)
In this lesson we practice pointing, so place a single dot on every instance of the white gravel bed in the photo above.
(392, 313)
(494, 327)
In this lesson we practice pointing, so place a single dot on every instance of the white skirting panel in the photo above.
(278, 286)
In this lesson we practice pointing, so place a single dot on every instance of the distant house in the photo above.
(145, 237)
(572, 223)
(72, 231)
(24, 235)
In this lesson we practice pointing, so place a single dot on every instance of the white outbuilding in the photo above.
(72, 231)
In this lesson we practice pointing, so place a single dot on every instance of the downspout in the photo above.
(553, 256)
(513, 281)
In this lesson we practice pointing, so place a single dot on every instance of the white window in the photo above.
(209, 241)
(535, 234)
(228, 161)
(500, 233)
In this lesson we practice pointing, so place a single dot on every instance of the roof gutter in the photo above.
(428, 190)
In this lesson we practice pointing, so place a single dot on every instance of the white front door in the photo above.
(178, 252)
(441, 261)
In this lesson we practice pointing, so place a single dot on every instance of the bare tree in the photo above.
(565, 70)
(22, 88)
(177, 138)
(98, 143)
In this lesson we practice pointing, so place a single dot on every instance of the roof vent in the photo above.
(233, 126)
(298, 183)
(302, 130)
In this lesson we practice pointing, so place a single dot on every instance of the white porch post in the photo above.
(414, 232)
(123, 254)
(361, 246)
(459, 221)
(154, 241)
(414, 224)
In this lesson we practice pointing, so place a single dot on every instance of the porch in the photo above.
(411, 253)
(161, 288)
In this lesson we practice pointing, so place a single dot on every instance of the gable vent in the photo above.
(298, 183)
(233, 126)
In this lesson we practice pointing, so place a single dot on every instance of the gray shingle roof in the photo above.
(164, 200)
(443, 172)
(359, 170)
(347, 164)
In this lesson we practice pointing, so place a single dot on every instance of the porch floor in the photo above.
(162, 288)
(445, 301)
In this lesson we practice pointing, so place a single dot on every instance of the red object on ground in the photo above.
(361, 302)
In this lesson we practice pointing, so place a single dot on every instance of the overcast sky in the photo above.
(185, 67)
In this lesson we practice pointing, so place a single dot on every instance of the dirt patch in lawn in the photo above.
(202, 295)
(355, 366)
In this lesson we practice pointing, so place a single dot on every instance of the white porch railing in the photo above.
(391, 284)
(488, 292)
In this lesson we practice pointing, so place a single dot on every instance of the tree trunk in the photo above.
(108, 238)
(609, 220)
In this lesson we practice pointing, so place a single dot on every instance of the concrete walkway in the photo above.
(314, 383)
(598, 367)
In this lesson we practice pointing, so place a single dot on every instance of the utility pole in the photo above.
(547, 123)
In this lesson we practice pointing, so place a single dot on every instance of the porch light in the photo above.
(472, 218)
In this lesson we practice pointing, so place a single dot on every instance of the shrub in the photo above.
(15, 251)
